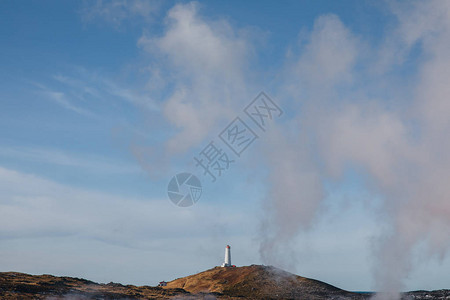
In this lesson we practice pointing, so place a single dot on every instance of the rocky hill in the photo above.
(23, 286)
(250, 282)
(260, 282)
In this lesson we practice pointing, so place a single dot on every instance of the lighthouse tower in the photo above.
(227, 262)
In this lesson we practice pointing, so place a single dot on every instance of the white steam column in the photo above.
(227, 262)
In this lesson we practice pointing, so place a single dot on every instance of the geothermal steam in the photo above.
(364, 106)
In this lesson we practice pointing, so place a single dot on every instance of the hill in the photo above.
(260, 282)
(15, 285)
(250, 282)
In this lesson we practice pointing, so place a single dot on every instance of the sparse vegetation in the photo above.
(250, 282)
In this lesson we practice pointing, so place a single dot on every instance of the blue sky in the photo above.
(102, 102)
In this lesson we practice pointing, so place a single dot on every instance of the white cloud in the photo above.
(205, 61)
(328, 55)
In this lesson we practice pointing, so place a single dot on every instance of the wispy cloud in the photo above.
(94, 95)
(32, 206)
(85, 84)
(61, 99)
(89, 163)
(117, 11)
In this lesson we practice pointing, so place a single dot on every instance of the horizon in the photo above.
(215, 267)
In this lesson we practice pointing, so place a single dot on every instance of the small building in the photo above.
(162, 283)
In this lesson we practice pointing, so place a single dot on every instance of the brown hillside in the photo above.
(15, 285)
(259, 282)
(252, 282)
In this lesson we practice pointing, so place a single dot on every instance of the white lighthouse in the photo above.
(227, 262)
